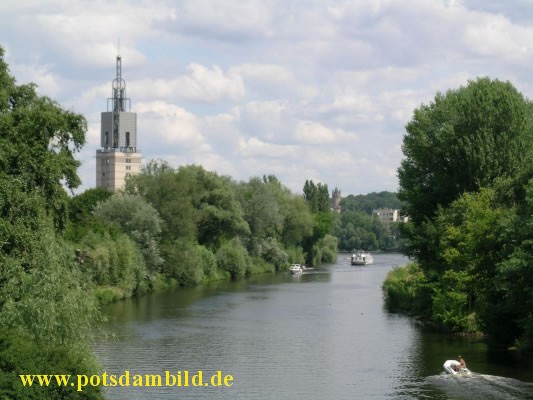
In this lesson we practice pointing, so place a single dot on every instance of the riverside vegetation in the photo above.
(467, 184)
(358, 228)
(62, 257)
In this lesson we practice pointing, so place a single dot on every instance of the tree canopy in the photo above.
(460, 142)
(45, 307)
(39, 140)
(371, 201)
(317, 196)
(467, 181)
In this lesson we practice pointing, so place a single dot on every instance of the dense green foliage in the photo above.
(138, 219)
(357, 228)
(405, 290)
(371, 201)
(214, 227)
(316, 196)
(21, 355)
(462, 142)
(45, 311)
(467, 182)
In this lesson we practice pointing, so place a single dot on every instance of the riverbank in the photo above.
(158, 283)
(407, 291)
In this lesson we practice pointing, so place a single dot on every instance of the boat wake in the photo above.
(479, 386)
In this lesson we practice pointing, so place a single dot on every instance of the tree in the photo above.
(508, 296)
(317, 196)
(82, 205)
(171, 194)
(220, 215)
(299, 221)
(39, 140)
(41, 294)
(460, 142)
(196, 205)
(262, 211)
(467, 185)
(45, 306)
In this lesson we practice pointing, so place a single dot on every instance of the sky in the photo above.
(305, 90)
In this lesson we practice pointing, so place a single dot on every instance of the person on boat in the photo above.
(462, 363)
(452, 366)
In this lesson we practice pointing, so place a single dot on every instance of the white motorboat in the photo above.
(296, 269)
(361, 258)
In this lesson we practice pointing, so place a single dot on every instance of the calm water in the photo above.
(321, 335)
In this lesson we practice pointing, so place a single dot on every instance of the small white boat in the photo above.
(453, 367)
(361, 258)
(296, 269)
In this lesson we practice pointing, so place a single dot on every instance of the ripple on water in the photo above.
(482, 387)
(323, 335)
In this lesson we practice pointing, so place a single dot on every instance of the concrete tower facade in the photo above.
(118, 157)
(336, 200)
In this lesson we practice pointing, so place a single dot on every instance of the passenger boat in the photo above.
(361, 258)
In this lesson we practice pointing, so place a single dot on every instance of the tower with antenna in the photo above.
(118, 157)
(336, 200)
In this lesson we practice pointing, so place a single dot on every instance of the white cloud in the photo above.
(270, 73)
(254, 147)
(264, 119)
(496, 36)
(200, 84)
(234, 20)
(47, 81)
(170, 124)
(306, 90)
(313, 132)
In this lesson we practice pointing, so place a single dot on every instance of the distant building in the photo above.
(118, 157)
(336, 200)
(389, 215)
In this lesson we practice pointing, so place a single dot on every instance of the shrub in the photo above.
(115, 262)
(233, 258)
(272, 252)
(21, 355)
(405, 290)
(328, 245)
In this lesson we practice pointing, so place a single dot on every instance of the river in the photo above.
(320, 335)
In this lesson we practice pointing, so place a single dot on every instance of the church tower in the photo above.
(118, 157)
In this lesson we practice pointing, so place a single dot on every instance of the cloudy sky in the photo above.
(310, 89)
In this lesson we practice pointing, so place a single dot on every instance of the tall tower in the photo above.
(118, 157)
(336, 200)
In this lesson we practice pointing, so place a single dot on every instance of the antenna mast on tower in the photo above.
(119, 99)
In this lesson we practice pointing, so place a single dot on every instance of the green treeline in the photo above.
(62, 257)
(467, 183)
(371, 201)
(188, 226)
(357, 228)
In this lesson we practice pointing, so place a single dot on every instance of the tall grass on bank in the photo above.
(405, 290)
